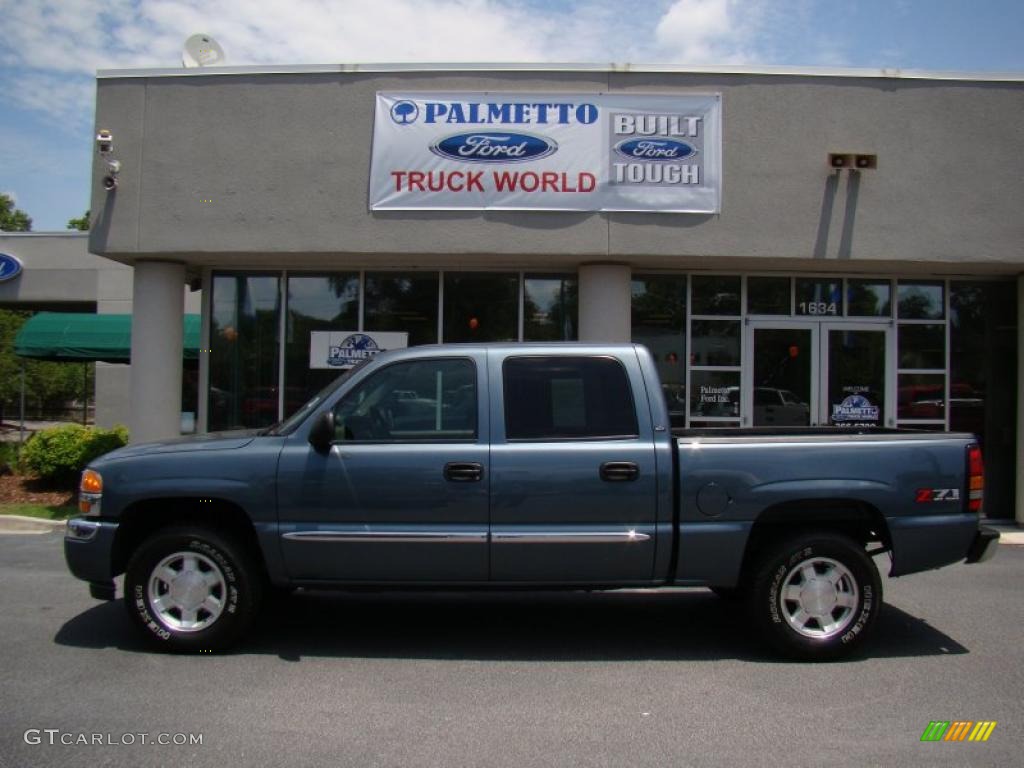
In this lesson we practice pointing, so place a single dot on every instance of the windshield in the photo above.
(285, 427)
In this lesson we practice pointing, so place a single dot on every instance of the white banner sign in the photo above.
(562, 152)
(343, 349)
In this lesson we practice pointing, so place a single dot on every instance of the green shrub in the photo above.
(8, 457)
(59, 454)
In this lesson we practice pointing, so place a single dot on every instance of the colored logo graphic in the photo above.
(494, 147)
(958, 730)
(10, 267)
(353, 349)
(855, 408)
(654, 149)
(405, 112)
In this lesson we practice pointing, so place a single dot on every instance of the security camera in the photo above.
(105, 141)
(110, 180)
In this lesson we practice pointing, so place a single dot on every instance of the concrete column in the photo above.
(157, 318)
(1020, 400)
(605, 302)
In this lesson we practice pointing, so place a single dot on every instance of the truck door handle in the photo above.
(619, 471)
(463, 472)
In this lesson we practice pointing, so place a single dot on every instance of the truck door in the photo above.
(573, 481)
(402, 494)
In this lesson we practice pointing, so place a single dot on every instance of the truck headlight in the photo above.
(90, 491)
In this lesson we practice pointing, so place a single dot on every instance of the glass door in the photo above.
(782, 367)
(856, 375)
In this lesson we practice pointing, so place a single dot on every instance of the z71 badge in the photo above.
(929, 495)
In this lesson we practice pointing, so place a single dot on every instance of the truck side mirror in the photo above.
(321, 434)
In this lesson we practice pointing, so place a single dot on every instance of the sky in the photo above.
(50, 51)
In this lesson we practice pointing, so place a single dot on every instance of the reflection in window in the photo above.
(402, 302)
(714, 394)
(715, 342)
(549, 308)
(416, 400)
(768, 295)
(481, 307)
(921, 396)
(659, 323)
(244, 356)
(920, 301)
(869, 298)
(315, 303)
(716, 295)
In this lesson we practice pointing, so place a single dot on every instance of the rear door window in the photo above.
(567, 398)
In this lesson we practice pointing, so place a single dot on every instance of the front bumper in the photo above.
(984, 546)
(88, 550)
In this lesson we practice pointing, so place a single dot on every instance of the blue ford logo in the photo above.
(10, 267)
(354, 348)
(494, 147)
(654, 149)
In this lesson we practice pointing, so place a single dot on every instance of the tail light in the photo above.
(975, 479)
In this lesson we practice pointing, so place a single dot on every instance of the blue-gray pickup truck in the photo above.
(549, 466)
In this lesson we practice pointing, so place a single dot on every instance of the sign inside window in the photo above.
(817, 308)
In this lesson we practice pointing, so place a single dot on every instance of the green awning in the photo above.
(73, 336)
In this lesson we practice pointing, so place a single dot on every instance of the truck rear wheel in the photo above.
(191, 589)
(816, 596)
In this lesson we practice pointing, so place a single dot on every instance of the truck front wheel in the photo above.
(816, 596)
(191, 589)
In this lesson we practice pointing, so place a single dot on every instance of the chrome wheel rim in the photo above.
(187, 591)
(819, 598)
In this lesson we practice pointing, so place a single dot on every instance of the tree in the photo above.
(12, 219)
(81, 224)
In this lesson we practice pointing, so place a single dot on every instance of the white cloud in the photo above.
(52, 48)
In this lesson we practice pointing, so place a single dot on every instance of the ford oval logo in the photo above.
(654, 149)
(10, 267)
(494, 147)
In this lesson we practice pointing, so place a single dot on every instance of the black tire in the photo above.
(816, 596)
(197, 564)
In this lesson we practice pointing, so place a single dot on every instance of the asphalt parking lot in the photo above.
(525, 679)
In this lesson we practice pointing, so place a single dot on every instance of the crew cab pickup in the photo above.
(549, 466)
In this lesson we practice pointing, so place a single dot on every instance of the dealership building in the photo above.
(795, 247)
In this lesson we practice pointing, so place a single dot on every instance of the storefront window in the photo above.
(402, 302)
(715, 394)
(921, 396)
(549, 308)
(245, 352)
(920, 301)
(716, 295)
(480, 307)
(659, 323)
(819, 298)
(715, 342)
(869, 298)
(315, 303)
(983, 380)
(922, 346)
(769, 296)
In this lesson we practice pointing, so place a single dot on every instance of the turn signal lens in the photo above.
(91, 482)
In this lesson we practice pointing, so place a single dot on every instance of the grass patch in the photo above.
(42, 511)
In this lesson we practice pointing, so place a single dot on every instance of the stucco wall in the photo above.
(284, 160)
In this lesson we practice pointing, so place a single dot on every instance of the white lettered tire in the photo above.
(191, 589)
(816, 596)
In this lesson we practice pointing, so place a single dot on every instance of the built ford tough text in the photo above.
(549, 466)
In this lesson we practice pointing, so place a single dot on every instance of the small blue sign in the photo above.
(654, 149)
(10, 267)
